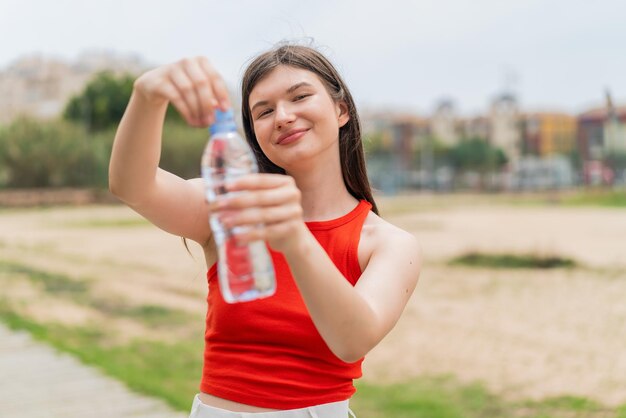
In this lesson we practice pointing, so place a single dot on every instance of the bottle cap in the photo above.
(224, 122)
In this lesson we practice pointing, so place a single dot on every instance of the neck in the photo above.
(324, 194)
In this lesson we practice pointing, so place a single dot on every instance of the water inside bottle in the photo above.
(245, 272)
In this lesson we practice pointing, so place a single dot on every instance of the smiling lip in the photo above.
(290, 136)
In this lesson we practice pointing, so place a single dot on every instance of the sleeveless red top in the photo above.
(268, 353)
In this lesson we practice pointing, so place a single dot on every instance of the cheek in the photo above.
(330, 125)
(261, 132)
(263, 136)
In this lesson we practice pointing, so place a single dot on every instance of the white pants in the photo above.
(327, 410)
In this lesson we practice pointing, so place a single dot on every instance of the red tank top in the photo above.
(267, 352)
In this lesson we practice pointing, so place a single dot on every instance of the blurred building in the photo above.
(40, 87)
(540, 173)
(475, 127)
(548, 133)
(401, 133)
(591, 133)
(443, 123)
(601, 133)
(614, 128)
(504, 126)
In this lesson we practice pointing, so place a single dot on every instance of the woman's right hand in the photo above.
(192, 85)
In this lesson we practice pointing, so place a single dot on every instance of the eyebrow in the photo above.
(289, 90)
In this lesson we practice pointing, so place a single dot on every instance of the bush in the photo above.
(63, 154)
(51, 154)
(182, 149)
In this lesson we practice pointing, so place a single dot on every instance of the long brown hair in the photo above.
(350, 145)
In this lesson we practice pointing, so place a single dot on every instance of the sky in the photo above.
(555, 55)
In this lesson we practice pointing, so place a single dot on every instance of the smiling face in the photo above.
(337, 110)
(294, 118)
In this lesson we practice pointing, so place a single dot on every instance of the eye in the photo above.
(263, 113)
(300, 97)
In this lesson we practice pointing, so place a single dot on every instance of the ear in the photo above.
(343, 114)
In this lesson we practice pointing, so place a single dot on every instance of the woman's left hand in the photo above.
(269, 207)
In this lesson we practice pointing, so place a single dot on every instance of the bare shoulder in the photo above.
(392, 271)
(380, 237)
(383, 233)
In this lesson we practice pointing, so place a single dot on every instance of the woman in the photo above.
(344, 275)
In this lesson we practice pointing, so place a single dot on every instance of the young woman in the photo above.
(344, 275)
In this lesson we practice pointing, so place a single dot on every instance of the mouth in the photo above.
(290, 136)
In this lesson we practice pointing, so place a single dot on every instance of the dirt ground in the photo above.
(523, 333)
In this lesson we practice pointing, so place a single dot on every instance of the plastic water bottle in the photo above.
(245, 272)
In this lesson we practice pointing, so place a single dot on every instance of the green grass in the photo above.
(51, 250)
(511, 261)
(53, 283)
(77, 291)
(153, 316)
(568, 406)
(444, 397)
(440, 397)
(435, 202)
(605, 198)
(427, 201)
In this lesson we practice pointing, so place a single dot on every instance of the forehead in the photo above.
(280, 79)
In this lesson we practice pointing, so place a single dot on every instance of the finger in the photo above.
(202, 89)
(259, 182)
(258, 233)
(265, 216)
(264, 198)
(212, 206)
(173, 95)
(186, 91)
(218, 85)
(265, 233)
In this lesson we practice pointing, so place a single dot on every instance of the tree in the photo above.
(476, 154)
(102, 102)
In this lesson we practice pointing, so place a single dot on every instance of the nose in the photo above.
(284, 116)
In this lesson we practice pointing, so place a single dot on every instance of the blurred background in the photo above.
(494, 131)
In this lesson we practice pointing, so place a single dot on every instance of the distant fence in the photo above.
(48, 197)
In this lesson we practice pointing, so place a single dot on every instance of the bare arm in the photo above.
(170, 202)
(353, 320)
